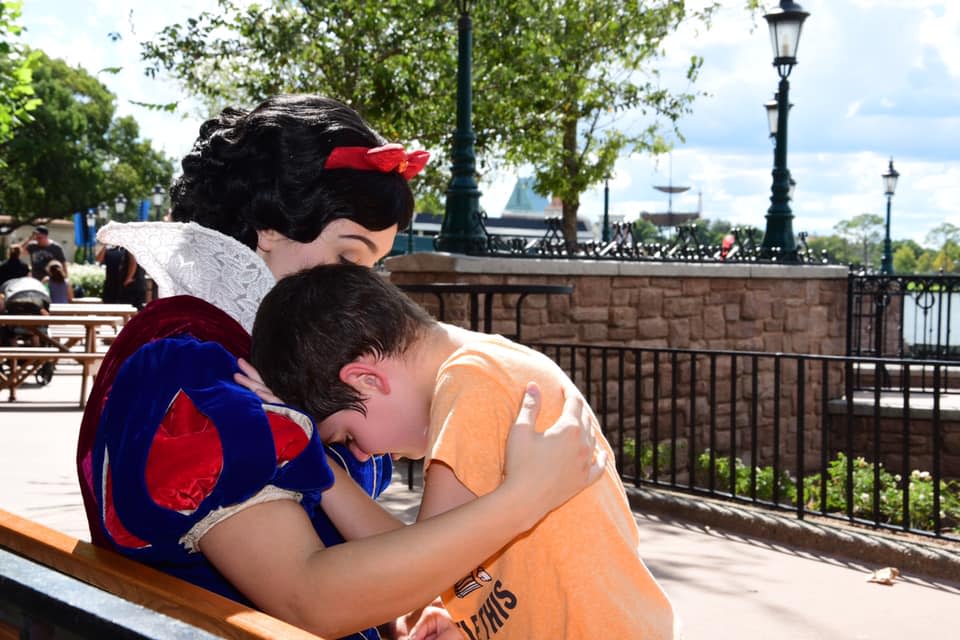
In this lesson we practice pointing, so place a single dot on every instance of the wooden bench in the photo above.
(52, 585)
(19, 363)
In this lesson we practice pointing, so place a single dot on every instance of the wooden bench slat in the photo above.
(47, 354)
(141, 584)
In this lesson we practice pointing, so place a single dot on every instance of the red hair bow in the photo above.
(389, 157)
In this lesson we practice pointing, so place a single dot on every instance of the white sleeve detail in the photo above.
(191, 539)
(187, 258)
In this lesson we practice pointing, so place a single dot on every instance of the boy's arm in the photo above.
(352, 511)
(442, 491)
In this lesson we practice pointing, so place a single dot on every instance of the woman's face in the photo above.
(342, 240)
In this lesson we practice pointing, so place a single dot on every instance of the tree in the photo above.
(836, 248)
(943, 262)
(905, 260)
(864, 231)
(575, 85)
(941, 235)
(17, 97)
(562, 86)
(74, 153)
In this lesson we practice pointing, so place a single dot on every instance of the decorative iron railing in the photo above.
(903, 316)
(689, 245)
(787, 432)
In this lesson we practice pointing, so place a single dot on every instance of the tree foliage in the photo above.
(17, 97)
(563, 85)
(863, 233)
(75, 153)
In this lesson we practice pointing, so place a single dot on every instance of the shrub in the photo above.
(89, 277)
(920, 490)
(664, 457)
(787, 485)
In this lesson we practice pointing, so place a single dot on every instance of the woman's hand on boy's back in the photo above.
(250, 378)
(553, 466)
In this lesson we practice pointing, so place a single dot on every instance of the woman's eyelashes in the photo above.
(345, 260)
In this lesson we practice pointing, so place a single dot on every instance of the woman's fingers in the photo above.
(529, 406)
(250, 378)
(249, 370)
(552, 466)
(578, 422)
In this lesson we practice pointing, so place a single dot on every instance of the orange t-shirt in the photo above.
(578, 573)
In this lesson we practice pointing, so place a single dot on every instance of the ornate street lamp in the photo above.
(157, 198)
(120, 204)
(785, 24)
(103, 213)
(889, 187)
(462, 229)
(90, 234)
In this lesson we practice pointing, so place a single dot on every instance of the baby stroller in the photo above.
(25, 296)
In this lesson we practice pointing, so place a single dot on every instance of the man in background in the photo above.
(42, 250)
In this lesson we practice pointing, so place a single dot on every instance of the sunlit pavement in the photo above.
(723, 585)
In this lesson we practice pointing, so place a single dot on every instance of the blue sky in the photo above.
(875, 79)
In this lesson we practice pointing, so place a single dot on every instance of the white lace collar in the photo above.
(189, 259)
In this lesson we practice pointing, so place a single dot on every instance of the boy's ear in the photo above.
(267, 239)
(365, 376)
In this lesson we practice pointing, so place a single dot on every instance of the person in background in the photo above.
(13, 267)
(57, 284)
(124, 279)
(42, 250)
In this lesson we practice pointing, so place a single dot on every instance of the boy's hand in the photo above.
(250, 378)
(435, 623)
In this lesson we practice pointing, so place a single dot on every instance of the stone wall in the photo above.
(698, 306)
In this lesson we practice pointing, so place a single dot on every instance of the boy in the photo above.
(381, 376)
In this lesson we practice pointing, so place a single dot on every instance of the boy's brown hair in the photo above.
(316, 321)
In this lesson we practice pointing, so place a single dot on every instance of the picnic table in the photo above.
(125, 311)
(20, 362)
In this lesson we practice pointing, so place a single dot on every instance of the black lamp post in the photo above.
(157, 197)
(785, 24)
(90, 234)
(889, 187)
(410, 234)
(605, 232)
(462, 229)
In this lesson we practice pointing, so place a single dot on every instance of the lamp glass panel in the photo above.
(890, 183)
(772, 115)
(157, 199)
(785, 36)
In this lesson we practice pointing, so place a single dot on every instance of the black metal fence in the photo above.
(688, 245)
(782, 431)
(904, 316)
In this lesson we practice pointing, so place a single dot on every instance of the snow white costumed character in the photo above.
(169, 444)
